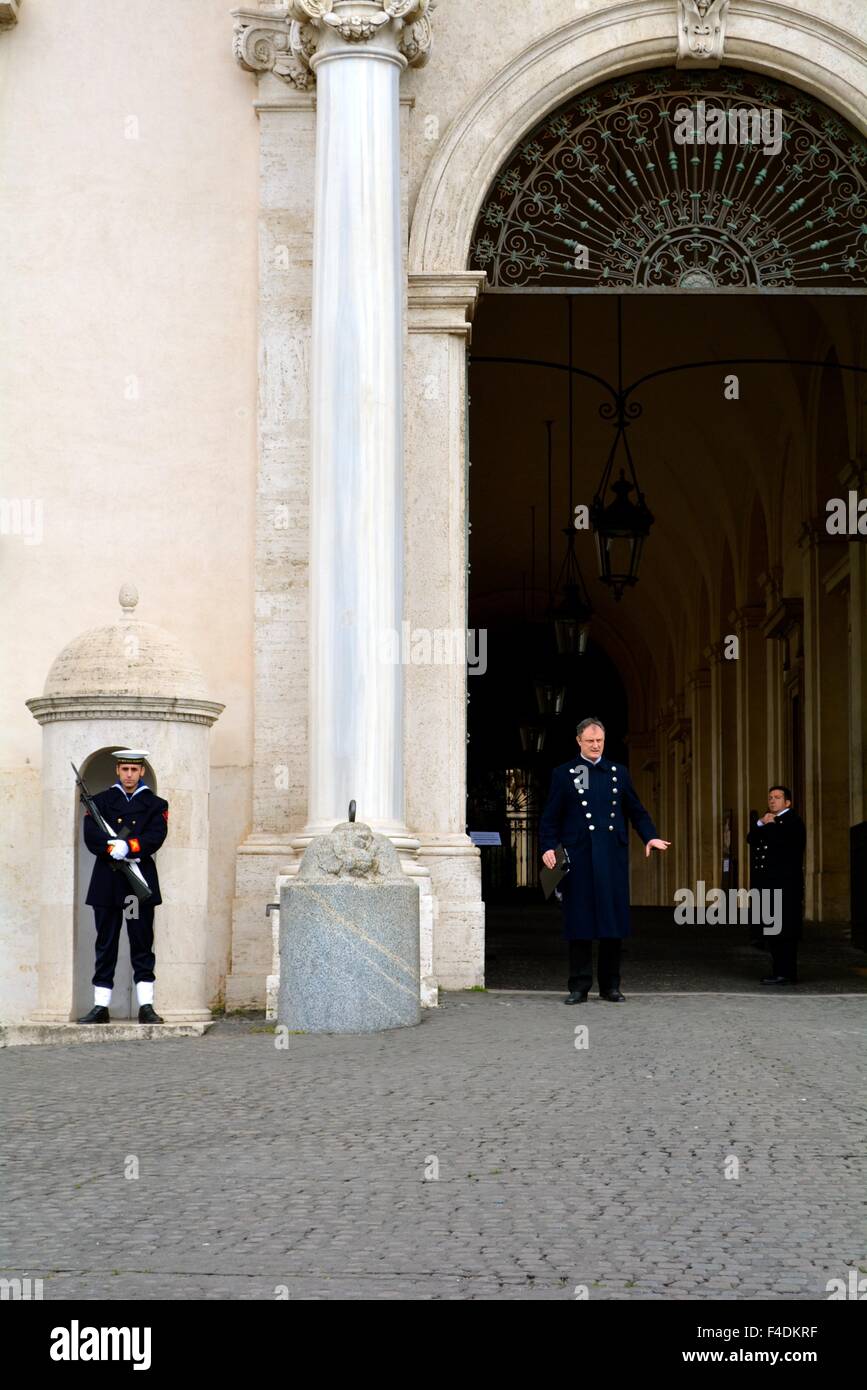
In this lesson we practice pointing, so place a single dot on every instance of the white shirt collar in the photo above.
(592, 761)
(142, 787)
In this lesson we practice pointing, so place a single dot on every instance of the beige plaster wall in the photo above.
(129, 177)
(129, 169)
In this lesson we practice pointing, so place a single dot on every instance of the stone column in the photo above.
(699, 707)
(771, 582)
(329, 523)
(750, 674)
(858, 679)
(678, 859)
(644, 878)
(826, 725)
(714, 656)
(356, 50)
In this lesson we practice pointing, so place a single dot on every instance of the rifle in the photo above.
(137, 881)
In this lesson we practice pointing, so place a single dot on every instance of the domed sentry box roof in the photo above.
(127, 666)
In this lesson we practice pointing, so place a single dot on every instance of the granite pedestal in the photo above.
(349, 937)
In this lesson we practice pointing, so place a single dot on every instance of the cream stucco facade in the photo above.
(187, 406)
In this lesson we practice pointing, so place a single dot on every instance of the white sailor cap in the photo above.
(130, 755)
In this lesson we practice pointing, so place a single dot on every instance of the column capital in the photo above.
(291, 39)
(9, 13)
(812, 533)
(784, 618)
(748, 616)
(698, 679)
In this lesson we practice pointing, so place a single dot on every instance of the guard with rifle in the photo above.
(124, 827)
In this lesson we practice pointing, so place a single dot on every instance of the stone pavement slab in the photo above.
(480, 1155)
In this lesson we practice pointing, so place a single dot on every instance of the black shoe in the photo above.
(577, 996)
(613, 996)
(146, 1014)
(777, 980)
(98, 1014)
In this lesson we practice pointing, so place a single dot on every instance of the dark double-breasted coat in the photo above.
(146, 816)
(777, 861)
(592, 825)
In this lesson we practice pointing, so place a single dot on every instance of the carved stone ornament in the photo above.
(352, 850)
(701, 31)
(283, 39)
(9, 13)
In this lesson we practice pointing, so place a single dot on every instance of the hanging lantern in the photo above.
(571, 617)
(572, 622)
(550, 696)
(621, 528)
(532, 737)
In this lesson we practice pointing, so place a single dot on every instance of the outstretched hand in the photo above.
(655, 844)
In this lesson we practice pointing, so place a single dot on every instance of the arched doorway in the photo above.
(449, 215)
(601, 197)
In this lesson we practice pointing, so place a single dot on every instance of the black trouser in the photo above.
(109, 921)
(784, 956)
(607, 965)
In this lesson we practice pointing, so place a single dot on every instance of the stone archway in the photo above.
(779, 40)
(774, 39)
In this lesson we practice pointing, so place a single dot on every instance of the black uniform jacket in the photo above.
(592, 823)
(777, 861)
(146, 816)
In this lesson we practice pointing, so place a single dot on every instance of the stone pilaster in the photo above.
(286, 117)
(702, 831)
(751, 718)
(440, 308)
(714, 656)
(826, 729)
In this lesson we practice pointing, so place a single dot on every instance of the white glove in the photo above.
(118, 849)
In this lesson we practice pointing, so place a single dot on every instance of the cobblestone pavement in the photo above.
(305, 1167)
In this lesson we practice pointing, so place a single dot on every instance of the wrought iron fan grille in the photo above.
(602, 195)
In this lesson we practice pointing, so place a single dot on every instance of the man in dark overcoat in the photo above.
(777, 843)
(134, 808)
(587, 810)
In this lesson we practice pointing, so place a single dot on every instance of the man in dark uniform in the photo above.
(777, 843)
(132, 804)
(586, 813)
